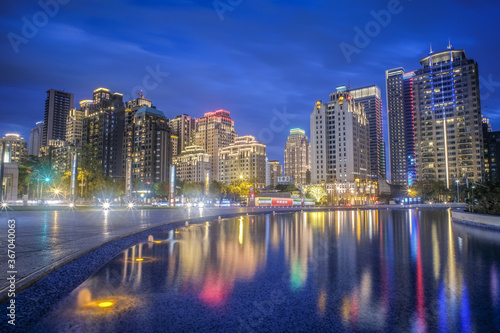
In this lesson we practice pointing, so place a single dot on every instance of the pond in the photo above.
(401, 270)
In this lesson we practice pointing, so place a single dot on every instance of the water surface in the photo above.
(363, 271)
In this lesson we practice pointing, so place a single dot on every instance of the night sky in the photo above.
(253, 58)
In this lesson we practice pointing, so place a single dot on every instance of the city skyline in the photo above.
(255, 61)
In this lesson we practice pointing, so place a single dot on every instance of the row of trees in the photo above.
(38, 179)
(483, 198)
(237, 190)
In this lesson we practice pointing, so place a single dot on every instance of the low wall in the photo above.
(481, 219)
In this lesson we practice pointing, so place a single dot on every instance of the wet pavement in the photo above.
(46, 240)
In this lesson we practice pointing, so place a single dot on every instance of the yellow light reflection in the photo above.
(240, 235)
(105, 304)
(435, 252)
(322, 303)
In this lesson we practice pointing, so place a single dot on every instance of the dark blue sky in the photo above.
(253, 58)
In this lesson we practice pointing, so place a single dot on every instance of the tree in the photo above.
(191, 189)
(317, 192)
(162, 189)
(218, 189)
(484, 198)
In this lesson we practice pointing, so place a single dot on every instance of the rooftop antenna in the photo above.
(430, 49)
(449, 44)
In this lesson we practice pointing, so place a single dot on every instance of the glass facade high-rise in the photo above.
(434, 113)
(449, 136)
(401, 118)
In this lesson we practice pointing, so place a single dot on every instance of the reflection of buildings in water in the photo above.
(211, 258)
(298, 243)
(358, 307)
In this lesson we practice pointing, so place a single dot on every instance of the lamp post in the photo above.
(458, 195)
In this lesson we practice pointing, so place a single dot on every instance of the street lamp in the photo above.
(458, 195)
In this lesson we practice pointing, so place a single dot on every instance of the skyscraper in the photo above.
(132, 106)
(298, 157)
(441, 103)
(74, 127)
(215, 131)
(449, 138)
(57, 106)
(36, 138)
(491, 152)
(244, 159)
(401, 117)
(184, 127)
(339, 141)
(103, 128)
(150, 146)
(371, 100)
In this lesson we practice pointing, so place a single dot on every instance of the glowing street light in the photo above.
(458, 195)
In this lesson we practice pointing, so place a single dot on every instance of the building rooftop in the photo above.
(147, 109)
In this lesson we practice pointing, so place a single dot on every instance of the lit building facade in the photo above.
(449, 136)
(370, 98)
(434, 117)
(184, 127)
(298, 157)
(74, 127)
(35, 140)
(244, 159)
(16, 148)
(150, 149)
(491, 152)
(275, 170)
(215, 131)
(339, 141)
(57, 106)
(103, 128)
(132, 106)
(192, 164)
(401, 118)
